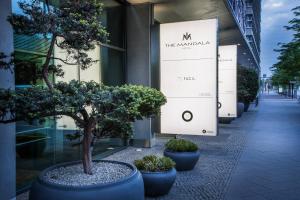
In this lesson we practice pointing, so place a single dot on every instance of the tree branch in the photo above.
(45, 69)
(69, 114)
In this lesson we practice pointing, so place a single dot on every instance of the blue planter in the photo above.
(240, 109)
(246, 107)
(184, 160)
(130, 187)
(158, 183)
(225, 120)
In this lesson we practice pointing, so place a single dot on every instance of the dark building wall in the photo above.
(7, 131)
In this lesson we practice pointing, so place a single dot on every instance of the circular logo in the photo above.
(203, 131)
(219, 105)
(187, 116)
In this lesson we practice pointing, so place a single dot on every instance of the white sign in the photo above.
(188, 77)
(228, 81)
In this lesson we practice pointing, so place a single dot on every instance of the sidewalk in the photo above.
(269, 168)
(219, 157)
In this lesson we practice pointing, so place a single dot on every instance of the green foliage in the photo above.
(181, 145)
(113, 109)
(248, 84)
(74, 26)
(152, 163)
(288, 66)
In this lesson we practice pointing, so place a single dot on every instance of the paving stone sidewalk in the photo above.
(210, 178)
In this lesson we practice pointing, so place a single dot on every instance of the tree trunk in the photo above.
(45, 69)
(87, 150)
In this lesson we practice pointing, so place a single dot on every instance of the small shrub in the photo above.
(181, 145)
(153, 163)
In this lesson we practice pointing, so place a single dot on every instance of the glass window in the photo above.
(113, 20)
(112, 65)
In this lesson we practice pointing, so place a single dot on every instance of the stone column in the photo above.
(7, 131)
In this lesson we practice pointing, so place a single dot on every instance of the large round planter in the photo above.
(246, 107)
(130, 187)
(240, 109)
(158, 183)
(184, 160)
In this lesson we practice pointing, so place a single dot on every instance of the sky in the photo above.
(275, 15)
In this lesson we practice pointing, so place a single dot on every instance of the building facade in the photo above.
(131, 56)
(248, 15)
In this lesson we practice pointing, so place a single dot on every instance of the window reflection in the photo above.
(112, 65)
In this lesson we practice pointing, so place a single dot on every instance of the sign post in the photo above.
(228, 81)
(188, 77)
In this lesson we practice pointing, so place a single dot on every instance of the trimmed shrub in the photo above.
(181, 145)
(153, 163)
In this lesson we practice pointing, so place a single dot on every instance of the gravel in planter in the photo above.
(103, 172)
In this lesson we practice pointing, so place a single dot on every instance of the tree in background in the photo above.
(288, 66)
(97, 110)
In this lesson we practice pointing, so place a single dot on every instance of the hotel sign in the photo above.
(228, 81)
(188, 77)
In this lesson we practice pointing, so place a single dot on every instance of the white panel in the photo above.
(188, 77)
(228, 81)
(173, 112)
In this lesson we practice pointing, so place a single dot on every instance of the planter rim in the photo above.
(160, 172)
(169, 151)
(86, 187)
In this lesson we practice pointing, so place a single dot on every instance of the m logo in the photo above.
(187, 36)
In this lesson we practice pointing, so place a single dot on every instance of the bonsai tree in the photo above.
(97, 110)
(90, 104)
(248, 84)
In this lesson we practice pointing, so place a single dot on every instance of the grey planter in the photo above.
(240, 109)
(184, 160)
(158, 183)
(246, 107)
(130, 187)
(225, 120)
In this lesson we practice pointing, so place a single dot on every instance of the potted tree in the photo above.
(73, 180)
(158, 174)
(183, 152)
(248, 86)
(75, 27)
